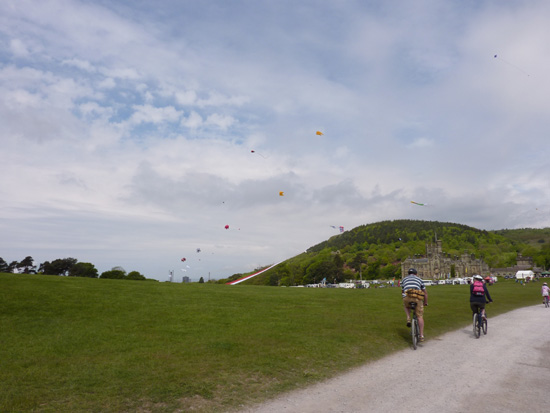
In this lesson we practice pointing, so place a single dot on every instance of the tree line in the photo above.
(69, 267)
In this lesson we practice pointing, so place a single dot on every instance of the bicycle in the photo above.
(545, 301)
(415, 329)
(480, 323)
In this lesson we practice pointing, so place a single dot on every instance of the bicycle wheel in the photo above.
(477, 331)
(484, 326)
(414, 329)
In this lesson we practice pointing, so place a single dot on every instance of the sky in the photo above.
(132, 132)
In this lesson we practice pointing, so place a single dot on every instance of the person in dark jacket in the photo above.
(479, 295)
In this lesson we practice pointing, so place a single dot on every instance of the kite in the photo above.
(281, 193)
(183, 259)
(198, 250)
(247, 277)
(258, 153)
(510, 64)
(418, 203)
(341, 229)
(319, 133)
(227, 227)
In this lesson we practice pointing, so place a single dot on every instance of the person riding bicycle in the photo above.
(545, 292)
(479, 295)
(414, 290)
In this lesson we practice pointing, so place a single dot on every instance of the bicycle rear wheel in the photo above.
(414, 332)
(484, 326)
(477, 329)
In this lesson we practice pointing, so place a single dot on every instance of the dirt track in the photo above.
(508, 370)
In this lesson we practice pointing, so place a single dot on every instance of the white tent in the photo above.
(522, 275)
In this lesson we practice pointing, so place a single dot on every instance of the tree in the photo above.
(4, 267)
(83, 269)
(12, 266)
(201, 281)
(113, 275)
(357, 260)
(320, 270)
(135, 275)
(390, 271)
(26, 266)
(59, 266)
(373, 270)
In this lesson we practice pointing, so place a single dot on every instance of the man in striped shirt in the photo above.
(413, 289)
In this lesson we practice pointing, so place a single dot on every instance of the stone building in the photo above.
(436, 264)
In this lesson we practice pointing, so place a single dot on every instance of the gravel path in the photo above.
(508, 370)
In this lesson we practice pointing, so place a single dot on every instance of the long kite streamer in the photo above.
(247, 277)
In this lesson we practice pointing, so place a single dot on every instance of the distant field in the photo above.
(76, 344)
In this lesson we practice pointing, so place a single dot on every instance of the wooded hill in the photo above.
(375, 251)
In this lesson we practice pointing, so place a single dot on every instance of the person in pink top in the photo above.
(545, 293)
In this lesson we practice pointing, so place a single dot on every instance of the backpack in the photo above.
(416, 294)
(478, 288)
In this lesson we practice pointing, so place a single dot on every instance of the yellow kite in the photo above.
(319, 133)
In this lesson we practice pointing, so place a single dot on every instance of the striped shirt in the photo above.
(412, 282)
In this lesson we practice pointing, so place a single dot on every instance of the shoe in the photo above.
(408, 323)
(421, 338)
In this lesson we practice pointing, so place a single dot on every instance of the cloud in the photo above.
(132, 125)
(18, 48)
(151, 114)
(421, 143)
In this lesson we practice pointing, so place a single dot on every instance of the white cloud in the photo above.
(18, 48)
(193, 121)
(80, 64)
(186, 97)
(151, 114)
(107, 83)
(221, 121)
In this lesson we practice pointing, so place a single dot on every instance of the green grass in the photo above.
(76, 344)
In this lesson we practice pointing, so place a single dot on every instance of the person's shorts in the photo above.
(419, 305)
(475, 306)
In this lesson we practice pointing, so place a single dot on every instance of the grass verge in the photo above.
(75, 344)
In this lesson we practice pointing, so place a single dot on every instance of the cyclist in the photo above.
(413, 289)
(479, 295)
(545, 292)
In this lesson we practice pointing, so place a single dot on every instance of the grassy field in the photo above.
(94, 345)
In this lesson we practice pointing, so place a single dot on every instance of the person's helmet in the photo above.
(478, 277)
(544, 284)
(412, 271)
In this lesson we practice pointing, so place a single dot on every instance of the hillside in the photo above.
(376, 251)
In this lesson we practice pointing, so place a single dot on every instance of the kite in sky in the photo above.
(198, 250)
(183, 259)
(258, 153)
(281, 193)
(418, 203)
(510, 64)
(341, 228)
(227, 227)
(319, 133)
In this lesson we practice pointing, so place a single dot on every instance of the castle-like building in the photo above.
(439, 265)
